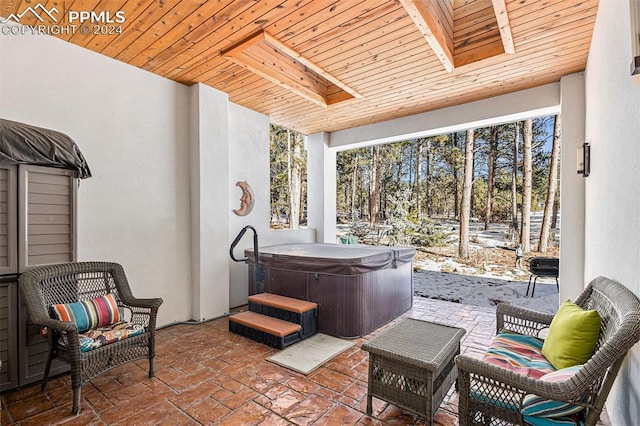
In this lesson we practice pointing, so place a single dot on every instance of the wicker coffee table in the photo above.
(412, 365)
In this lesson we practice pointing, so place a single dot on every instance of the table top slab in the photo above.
(416, 342)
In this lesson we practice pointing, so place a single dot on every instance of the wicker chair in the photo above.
(492, 395)
(46, 286)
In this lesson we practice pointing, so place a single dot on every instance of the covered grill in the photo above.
(543, 267)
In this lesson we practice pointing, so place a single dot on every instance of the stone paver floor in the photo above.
(206, 375)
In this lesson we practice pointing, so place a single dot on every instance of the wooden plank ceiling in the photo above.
(319, 65)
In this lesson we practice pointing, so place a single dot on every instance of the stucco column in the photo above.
(209, 165)
(321, 187)
(572, 188)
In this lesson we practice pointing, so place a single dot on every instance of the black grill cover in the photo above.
(544, 266)
(24, 144)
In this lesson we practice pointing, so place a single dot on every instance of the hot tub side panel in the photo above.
(348, 305)
(353, 306)
(288, 283)
(390, 296)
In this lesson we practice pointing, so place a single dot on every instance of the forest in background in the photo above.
(398, 193)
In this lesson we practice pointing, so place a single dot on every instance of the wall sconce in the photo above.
(584, 159)
(635, 36)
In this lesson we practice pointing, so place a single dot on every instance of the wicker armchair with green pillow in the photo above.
(93, 321)
(564, 378)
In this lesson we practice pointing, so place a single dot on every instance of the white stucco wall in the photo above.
(209, 167)
(321, 198)
(249, 161)
(612, 212)
(132, 127)
(571, 188)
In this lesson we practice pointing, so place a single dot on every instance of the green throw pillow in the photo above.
(572, 336)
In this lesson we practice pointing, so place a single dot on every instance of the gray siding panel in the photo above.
(8, 220)
(8, 335)
(49, 199)
(49, 220)
(41, 188)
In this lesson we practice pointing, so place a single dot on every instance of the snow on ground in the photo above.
(489, 277)
(483, 291)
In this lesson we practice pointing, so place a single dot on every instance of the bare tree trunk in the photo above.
(418, 186)
(354, 183)
(400, 165)
(525, 223)
(382, 185)
(374, 185)
(289, 174)
(465, 207)
(410, 165)
(543, 244)
(456, 183)
(472, 209)
(429, 160)
(493, 152)
(514, 180)
(295, 180)
(554, 216)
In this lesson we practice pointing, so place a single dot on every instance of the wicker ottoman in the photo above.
(411, 365)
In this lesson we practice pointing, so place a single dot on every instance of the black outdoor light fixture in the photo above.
(584, 159)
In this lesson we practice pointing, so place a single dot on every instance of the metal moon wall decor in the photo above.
(246, 201)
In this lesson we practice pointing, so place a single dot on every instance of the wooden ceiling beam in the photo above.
(282, 80)
(430, 18)
(282, 48)
(500, 9)
(267, 57)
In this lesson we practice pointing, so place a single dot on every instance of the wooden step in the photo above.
(282, 302)
(265, 324)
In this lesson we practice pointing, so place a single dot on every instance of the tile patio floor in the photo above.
(206, 375)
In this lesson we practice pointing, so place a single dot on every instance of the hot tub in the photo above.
(357, 288)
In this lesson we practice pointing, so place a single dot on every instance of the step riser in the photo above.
(263, 337)
(284, 314)
(307, 320)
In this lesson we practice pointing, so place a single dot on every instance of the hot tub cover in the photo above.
(25, 144)
(333, 258)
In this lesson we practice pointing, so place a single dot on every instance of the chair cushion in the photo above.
(572, 336)
(518, 353)
(560, 421)
(106, 335)
(89, 314)
(523, 355)
(534, 405)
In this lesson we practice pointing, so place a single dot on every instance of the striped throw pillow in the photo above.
(89, 314)
(534, 405)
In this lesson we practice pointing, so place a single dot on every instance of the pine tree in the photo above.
(514, 180)
(465, 207)
(493, 153)
(525, 220)
(543, 244)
